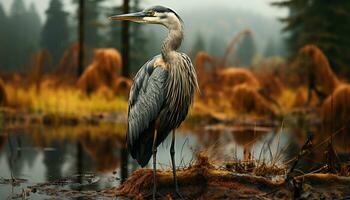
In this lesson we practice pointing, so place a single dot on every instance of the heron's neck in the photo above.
(172, 42)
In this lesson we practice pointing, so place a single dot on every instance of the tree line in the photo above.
(23, 33)
(324, 23)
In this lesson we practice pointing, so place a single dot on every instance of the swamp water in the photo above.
(93, 158)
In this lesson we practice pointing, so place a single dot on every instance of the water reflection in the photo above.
(243, 142)
(42, 154)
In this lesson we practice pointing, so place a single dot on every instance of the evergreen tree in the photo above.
(323, 23)
(3, 38)
(33, 29)
(92, 25)
(139, 38)
(55, 32)
(114, 33)
(33, 24)
(19, 36)
(246, 50)
(17, 39)
(17, 8)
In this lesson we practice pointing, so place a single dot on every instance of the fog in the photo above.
(261, 7)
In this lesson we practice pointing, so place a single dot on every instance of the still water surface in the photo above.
(90, 158)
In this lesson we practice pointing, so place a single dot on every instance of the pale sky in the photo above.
(257, 6)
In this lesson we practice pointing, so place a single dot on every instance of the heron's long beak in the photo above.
(135, 17)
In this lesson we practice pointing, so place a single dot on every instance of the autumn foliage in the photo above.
(103, 71)
(318, 69)
(336, 111)
(41, 62)
(246, 99)
(336, 107)
(3, 97)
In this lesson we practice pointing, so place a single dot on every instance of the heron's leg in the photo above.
(154, 152)
(172, 154)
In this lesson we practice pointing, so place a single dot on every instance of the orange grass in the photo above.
(318, 69)
(68, 64)
(103, 71)
(336, 111)
(3, 95)
(246, 99)
(231, 77)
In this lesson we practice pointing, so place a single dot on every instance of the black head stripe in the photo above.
(162, 9)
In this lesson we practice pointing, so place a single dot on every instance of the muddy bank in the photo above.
(203, 180)
(206, 181)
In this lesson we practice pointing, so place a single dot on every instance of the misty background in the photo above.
(209, 26)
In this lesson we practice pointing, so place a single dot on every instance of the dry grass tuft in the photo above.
(122, 86)
(336, 111)
(203, 180)
(271, 84)
(41, 62)
(231, 77)
(3, 95)
(246, 99)
(103, 71)
(253, 167)
(68, 64)
(300, 99)
(202, 73)
(318, 69)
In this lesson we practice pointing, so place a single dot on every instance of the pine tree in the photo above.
(3, 38)
(92, 11)
(323, 23)
(246, 50)
(33, 29)
(55, 32)
(139, 38)
(33, 24)
(114, 33)
(92, 14)
(17, 38)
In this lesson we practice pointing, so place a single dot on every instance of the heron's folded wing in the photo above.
(146, 99)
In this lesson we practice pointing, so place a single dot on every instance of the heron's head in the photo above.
(153, 15)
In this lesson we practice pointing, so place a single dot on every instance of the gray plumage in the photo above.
(159, 101)
(162, 91)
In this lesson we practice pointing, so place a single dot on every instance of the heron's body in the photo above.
(162, 91)
(159, 101)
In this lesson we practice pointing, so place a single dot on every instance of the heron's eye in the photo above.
(150, 13)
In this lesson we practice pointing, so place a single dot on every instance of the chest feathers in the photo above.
(181, 85)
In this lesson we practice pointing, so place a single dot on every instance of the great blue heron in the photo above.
(162, 91)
